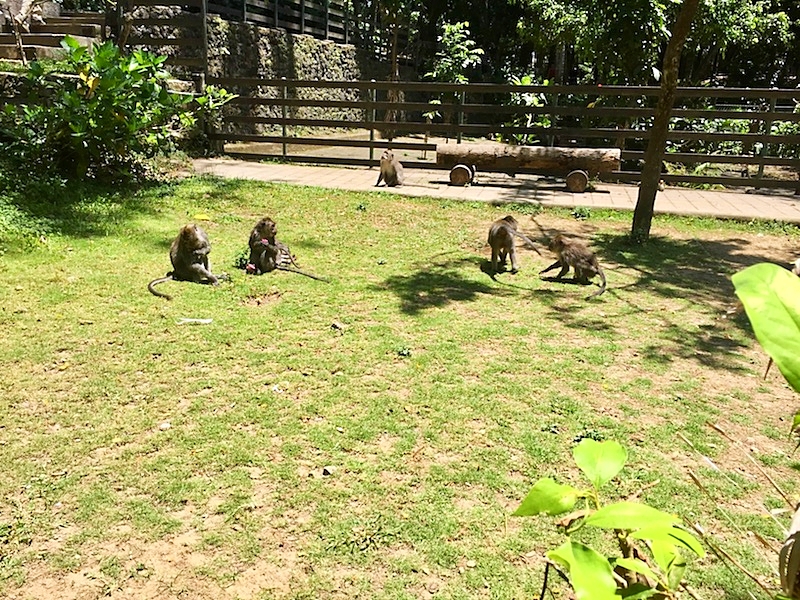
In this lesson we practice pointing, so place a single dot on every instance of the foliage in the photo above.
(109, 111)
(456, 54)
(771, 297)
(591, 574)
(621, 42)
(527, 119)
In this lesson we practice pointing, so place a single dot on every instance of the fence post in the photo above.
(275, 24)
(284, 95)
(204, 16)
(370, 116)
(302, 16)
(346, 22)
(244, 11)
(327, 19)
(762, 154)
(461, 99)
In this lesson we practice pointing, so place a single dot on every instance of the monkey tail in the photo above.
(528, 241)
(155, 282)
(602, 286)
(299, 272)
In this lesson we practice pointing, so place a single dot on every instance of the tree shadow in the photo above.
(82, 209)
(438, 284)
(695, 270)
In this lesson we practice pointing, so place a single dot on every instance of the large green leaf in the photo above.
(600, 461)
(771, 297)
(548, 497)
(670, 535)
(630, 516)
(589, 572)
(637, 566)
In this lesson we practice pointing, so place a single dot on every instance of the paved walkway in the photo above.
(500, 188)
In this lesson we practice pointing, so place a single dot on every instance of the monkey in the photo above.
(262, 234)
(189, 256)
(268, 254)
(572, 253)
(391, 170)
(501, 239)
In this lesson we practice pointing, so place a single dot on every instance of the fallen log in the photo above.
(541, 160)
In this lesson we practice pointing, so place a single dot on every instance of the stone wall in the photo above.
(238, 49)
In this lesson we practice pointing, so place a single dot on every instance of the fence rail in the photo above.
(716, 134)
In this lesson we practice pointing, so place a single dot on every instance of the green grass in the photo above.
(145, 454)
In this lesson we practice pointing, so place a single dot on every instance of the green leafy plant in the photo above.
(770, 295)
(581, 213)
(527, 119)
(457, 53)
(650, 563)
(105, 113)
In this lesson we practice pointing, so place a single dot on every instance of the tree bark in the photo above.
(651, 173)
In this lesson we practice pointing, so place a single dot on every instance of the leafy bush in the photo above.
(649, 564)
(99, 120)
(527, 99)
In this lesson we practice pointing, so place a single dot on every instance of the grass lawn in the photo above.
(367, 438)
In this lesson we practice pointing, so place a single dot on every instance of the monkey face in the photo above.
(556, 244)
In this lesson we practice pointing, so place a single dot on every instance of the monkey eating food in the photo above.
(189, 256)
(572, 253)
(391, 170)
(268, 254)
(501, 240)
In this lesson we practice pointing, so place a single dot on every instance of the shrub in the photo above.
(102, 117)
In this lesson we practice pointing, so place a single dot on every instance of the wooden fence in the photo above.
(738, 137)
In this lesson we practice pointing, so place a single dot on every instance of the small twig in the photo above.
(738, 444)
(722, 554)
(707, 459)
(544, 583)
(689, 591)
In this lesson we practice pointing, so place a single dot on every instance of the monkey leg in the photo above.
(550, 268)
(514, 263)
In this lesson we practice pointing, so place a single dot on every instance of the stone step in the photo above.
(70, 28)
(42, 39)
(79, 17)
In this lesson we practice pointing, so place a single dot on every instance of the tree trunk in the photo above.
(543, 160)
(651, 173)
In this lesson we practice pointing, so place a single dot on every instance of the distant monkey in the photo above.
(391, 170)
(572, 253)
(189, 256)
(501, 240)
(268, 254)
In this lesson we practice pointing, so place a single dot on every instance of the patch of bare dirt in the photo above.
(263, 299)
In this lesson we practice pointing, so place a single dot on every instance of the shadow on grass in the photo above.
(694, 270)
(439, 284)
(78, 209)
